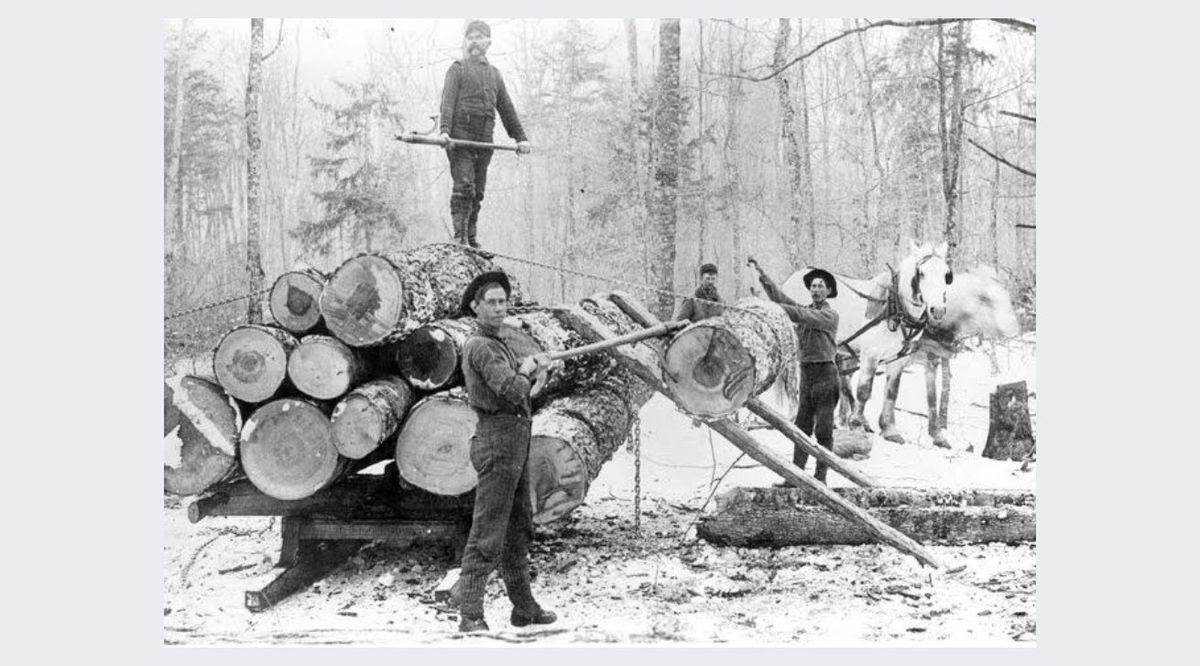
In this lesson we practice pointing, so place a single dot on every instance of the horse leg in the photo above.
(937, 415)
(943, 406)
(846, 404)
(887, 414)
(863, 394)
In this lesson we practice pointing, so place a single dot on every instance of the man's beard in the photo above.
(707, 292)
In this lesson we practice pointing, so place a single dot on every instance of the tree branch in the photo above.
(1001, 159)
(278, 41)
(1026, 226)
(874, 24)
(1018, 115)
(1014, 23)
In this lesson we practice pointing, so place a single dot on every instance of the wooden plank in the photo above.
(788, 429)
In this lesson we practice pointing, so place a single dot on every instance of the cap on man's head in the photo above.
(708, 268)
(480, 26)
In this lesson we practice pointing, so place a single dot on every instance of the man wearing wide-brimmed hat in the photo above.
(474, 91)
(498, 389)
(817, 326)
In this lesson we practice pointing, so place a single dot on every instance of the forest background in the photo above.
(659, 145)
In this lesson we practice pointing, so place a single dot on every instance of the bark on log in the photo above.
(324, 367)
(1010, 433)
(200, 428)
(713, 366)
(202, 365)
(776, 517)
(251, 361)
(295, 299)
(377, 298)
(287, 449)
(430, 357)
(370, 414)
(544, 331)
(434, 445)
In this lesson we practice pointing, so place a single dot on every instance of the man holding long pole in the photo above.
(473, 93)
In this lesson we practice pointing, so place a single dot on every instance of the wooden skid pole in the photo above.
(788, 429)
(315, 561)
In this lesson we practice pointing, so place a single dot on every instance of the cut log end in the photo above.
(358, 427)
(709, 371)
(288, 451)
(428, 358)
(295, 299)
(201, 426)
(363, 301)
(433, 447)
(251, 361)
(323, 367)
(558, 475)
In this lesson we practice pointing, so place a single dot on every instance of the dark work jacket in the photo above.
(490, 372)
(473, 92)
(816, 326)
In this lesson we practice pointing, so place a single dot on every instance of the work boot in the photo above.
(459, 219)
(472, 623)
(538, 615)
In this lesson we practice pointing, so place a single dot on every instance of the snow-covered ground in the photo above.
(612, 585)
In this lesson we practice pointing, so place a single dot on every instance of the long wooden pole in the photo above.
(604, 345)
(788, 429)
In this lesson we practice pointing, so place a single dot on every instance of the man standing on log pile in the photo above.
(473, 92)
(502, 524)
(706, 301)
(817, 326)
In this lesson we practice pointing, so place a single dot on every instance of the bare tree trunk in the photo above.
(950, 123)
(702, 219)
(731, 214)
(253, 168)
(174, 212)
(666, 163)
(806, 188)
(872, 251)
(791, 148)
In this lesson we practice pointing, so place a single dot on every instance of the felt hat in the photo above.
(824, 275)
(480, 26)
(708, 268)
(499, 277)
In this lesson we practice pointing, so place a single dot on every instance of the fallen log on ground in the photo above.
(376, 298)
(251, 361)
(324, 367)
(434, 444)
(776, 517)
(200, 434)
(287, 449)
(295, 298)
(370, 414)
(713, 366)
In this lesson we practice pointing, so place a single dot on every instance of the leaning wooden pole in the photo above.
(742, 439)
(789, 430)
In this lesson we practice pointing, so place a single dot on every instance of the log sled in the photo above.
(362, 367)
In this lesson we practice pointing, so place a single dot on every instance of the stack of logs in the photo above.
(362, 366)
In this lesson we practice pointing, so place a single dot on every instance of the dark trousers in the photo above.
(818, 398)
(468, 168)
(502, 524)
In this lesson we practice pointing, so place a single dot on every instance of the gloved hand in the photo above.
(445, 139)
(524, 148)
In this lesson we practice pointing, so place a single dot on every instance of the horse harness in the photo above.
(896, 316)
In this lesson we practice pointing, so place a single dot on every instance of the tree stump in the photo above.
(324, 367)
(288, 450)
(251, 361)
(370, 414)
(201, 426)
(1010, 433)
(295, 299)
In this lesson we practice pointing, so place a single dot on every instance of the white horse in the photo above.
(880, 319)
(977, 306)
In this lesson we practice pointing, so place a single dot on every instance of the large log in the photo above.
(251, 361)
(295, 299)
(287, 449)
(430, 357)
(200, 435)
(376, 298)
(776, 517)
(713, 366)
(574, 435)
(434, 444)
(544, 331)
(370, 414)
(324, 367)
